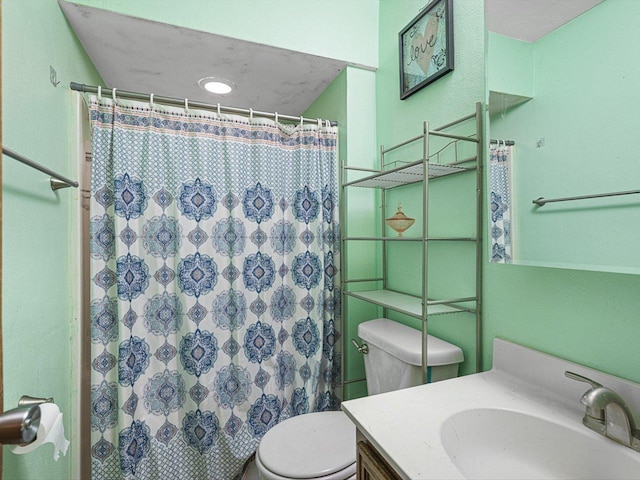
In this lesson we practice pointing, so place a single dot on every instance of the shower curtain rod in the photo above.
(181, 102)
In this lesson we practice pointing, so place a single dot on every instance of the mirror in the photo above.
(569, 102)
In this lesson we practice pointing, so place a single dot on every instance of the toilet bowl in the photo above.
(322, 446)
(316, 446)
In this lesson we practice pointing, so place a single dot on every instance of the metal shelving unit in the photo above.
(422, 171)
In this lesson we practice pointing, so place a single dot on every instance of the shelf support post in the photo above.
(425, 248)
(479, 228)
(383, 216)
(342, 205)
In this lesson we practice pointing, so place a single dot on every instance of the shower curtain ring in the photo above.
(319, 123)
(186, 105)
(301, 121)
(250, 114)
(218, 109)
(99, 92)
(276, 117)
(151, 100)
(113, 96)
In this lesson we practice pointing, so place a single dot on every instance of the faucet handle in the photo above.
(591, 397)
(580, 378)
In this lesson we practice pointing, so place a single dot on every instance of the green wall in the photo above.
(585, 316)
(584, 97)
(450, 97)
(452, 204)
(38, 259)
(510, 65)
(586, 117)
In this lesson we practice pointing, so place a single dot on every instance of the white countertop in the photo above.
(404, 426)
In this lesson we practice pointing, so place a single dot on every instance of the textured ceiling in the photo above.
(530, 20)
(140, 55)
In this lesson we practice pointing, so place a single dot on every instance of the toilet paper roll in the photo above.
(51, 430)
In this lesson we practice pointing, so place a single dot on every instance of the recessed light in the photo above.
(219, 86)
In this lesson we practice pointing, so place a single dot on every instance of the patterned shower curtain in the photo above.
(500, 158)
(215, 302)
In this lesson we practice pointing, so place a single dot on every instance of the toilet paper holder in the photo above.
(19, 426)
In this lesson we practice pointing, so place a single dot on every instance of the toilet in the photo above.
(322, 446)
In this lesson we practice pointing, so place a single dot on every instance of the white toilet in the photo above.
(322, 446)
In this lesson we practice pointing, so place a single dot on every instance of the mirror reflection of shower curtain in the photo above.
(214, 265)
(500, 202)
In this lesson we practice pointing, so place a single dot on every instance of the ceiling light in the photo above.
(219, 86)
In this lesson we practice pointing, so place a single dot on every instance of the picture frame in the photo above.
(426, 47)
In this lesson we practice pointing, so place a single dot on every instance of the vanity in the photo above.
(522, 419)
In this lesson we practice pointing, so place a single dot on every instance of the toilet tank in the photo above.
(394, 360)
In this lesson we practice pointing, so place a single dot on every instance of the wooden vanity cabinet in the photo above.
(371, 465)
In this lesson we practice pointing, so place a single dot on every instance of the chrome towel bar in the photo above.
(57, 180)
(542, 201)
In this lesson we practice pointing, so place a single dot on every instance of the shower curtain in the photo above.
(215, 300)
(500, 158)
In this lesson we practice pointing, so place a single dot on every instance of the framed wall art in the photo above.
(426, 47)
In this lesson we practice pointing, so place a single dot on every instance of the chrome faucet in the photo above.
(607, 413)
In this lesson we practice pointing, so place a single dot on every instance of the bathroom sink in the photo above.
(504, 444)
(520, 420)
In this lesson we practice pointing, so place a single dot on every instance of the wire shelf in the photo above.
(407, 174)
(407, 304)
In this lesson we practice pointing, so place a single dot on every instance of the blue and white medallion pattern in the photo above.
(229, 237)
(162, 236)
(259, 342)
(103, 238)
(306, 205)
(164, 393)
(197, 200)
(104, 324)
(258, 204)
(135, 443)
(258, 272)
(130, 197)
(104, 410)
(307, 270)
(500, 158)
(230, 310)
(214, 265)
(232, 386)
(133, 276)
(163, 314)
(133, 356)
(197, 274)
(198, 352)
(201, 430)
(283, 237)
(263, 415)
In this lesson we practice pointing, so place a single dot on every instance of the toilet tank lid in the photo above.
(405, 343)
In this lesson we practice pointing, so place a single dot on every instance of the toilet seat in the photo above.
(315, 446)
(348, 473)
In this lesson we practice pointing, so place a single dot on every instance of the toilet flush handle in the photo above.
(364, 348)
